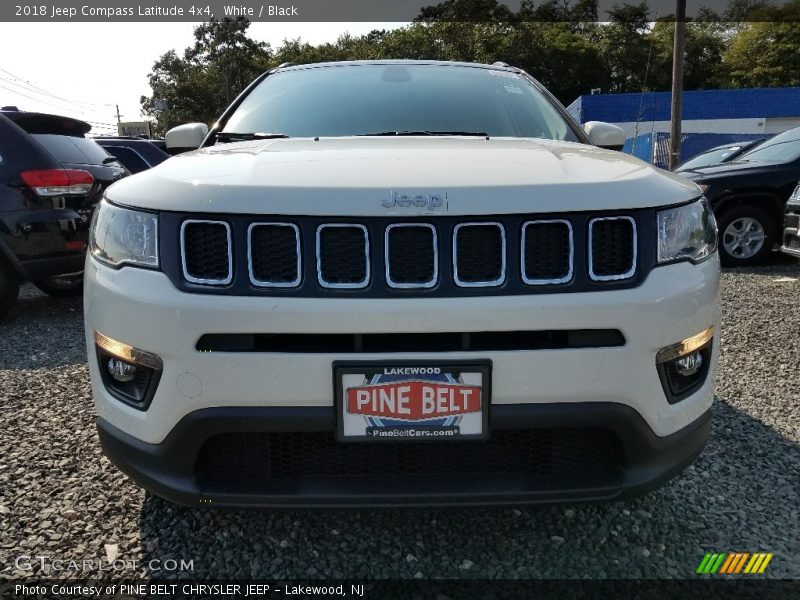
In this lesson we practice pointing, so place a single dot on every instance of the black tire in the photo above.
(9, 287)
(62, 287)
(740, 256)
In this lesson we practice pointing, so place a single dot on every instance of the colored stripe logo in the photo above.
(732, 563)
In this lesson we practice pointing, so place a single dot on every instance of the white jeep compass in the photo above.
(401, 282)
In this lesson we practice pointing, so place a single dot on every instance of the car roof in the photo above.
(498, 66)
(34, 122)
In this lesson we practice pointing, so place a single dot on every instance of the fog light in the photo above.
(689, 365)
(130, 375)
(683, 367)
(120, 370)
(126, 352)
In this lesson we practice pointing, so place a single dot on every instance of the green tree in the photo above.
(564, 61)
(764, 54)
(705, 43)
(625, 47)
(199, 85)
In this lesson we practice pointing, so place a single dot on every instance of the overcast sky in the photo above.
(84, 69)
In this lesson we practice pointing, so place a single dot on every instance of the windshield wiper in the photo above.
(426, 132)
(229, 136)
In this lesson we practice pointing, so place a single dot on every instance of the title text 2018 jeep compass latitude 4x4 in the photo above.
(398, 282)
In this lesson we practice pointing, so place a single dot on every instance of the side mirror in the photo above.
(605, 135)
(185, 137)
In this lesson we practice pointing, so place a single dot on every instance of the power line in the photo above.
(31, 97)
(35, 88)
(82, 112)
(67, 106)
(98, 124)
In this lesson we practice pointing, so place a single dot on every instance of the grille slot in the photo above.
(206, 252)
(547, 252)
(342, 256)
(612, 248)
(411, 256)
(558, 456)
(479, 251)
(274, 254)
(446, 341)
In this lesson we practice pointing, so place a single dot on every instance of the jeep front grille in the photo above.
(411, 255)
(612, 248)
(206, 252)
(480, 254)
(343, 256)
(547, 251)
(407, 257)
(274, 254)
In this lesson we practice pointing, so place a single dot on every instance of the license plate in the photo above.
(412, 401)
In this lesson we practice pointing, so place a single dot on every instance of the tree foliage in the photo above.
(559, 42)
(197, 86)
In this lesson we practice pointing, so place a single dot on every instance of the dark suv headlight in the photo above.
(123, 236)
(687, 232)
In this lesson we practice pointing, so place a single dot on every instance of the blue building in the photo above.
(710, 117)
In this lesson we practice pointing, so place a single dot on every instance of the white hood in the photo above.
(350, 176)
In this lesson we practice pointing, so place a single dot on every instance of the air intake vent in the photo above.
(479, 251)
(411, 256)
(342, 256)
(206, 252)
(612, 248)
(547, 252)
(274, 254)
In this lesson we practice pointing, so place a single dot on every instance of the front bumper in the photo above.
(143, 309)
(634, 460)
(257, 427)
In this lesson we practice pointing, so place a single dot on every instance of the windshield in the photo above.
(784, 147)
(380, 99)
(712, 157)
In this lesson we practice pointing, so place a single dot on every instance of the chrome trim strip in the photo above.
(628, 274)
(186, 275)
(684, 347)
(492, 283)
(340, 286)
(127, 352)
(427, 284)
(569, 274)
(273, 284)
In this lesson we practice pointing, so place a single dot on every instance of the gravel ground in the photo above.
(59, 497)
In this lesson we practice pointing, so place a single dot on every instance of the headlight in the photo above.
(122, 236)
(687, 232)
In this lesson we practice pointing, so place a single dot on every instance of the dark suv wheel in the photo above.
(9, 287)
(747, 234)
(62, 287)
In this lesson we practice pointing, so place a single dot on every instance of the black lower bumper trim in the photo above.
(42, 269)
(178, 468)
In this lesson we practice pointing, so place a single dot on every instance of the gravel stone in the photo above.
(60, 497)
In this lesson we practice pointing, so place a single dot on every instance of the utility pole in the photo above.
(677, 85)
(119, 119)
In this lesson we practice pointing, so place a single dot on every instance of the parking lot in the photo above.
(59, 497)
